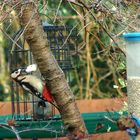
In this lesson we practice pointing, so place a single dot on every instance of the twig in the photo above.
(22, 32)
(12, 8)
(16, 132)
(97, 21)
(75, 3)
(69, 35)
(76, 11)
(38, 129)
(106, 117)
(26, 26)
(84, 27)
(5, 126)
(57, 11)
(11, 38)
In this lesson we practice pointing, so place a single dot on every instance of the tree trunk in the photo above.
(54, 76)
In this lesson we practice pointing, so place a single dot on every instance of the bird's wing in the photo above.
(34, 81)
(31, 89)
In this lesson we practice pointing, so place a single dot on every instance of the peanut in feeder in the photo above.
(133, 72)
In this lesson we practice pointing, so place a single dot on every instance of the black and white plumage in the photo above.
(33, 85)
(28, 82)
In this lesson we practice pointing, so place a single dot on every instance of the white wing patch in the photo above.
(31, 68)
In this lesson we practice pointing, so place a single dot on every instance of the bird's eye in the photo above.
(16, 72)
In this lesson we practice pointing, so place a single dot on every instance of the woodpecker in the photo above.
(33, 85)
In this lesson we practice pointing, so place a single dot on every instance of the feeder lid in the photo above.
(134, 36)
(45, 23)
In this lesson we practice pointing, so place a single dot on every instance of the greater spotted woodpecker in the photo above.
(33, 85)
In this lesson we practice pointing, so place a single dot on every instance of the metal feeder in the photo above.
(62, 43)
(133, 72)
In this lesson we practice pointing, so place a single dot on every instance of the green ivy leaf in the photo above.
(122, 82)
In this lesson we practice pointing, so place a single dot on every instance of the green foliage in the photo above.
(100, 66)
(101, 62)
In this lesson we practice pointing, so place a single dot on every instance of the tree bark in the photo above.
(50, 70)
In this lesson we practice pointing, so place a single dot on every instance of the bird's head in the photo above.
(16, 73)
(23, 71)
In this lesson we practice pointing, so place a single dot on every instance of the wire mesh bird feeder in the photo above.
(133, 72)
(62, 43)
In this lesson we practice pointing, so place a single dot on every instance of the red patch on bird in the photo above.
(47, 94)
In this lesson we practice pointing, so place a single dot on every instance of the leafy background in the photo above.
(100, 66)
